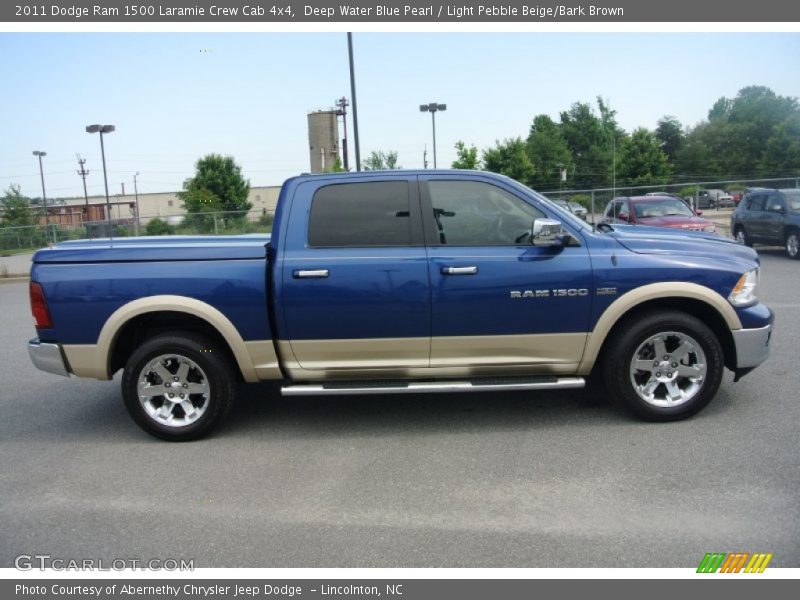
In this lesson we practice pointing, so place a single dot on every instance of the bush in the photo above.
(266, 221)
(158, 227)
(585, 200)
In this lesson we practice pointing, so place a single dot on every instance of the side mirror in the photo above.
(699, 213)
(547, 232)
(623, 216)
(778, 208)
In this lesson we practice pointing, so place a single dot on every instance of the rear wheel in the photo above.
(178, 386)
(664, 366)
(793, 245)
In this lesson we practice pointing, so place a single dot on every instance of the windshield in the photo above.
(666, 207)
(793, 199)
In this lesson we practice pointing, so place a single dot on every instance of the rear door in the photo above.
(496, 299)
(755, 218)
(774, 216)
(355, 290)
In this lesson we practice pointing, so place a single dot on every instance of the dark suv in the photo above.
(769, 217)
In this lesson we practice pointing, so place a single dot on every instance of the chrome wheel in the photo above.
(668, 369)
(173, 390)
(741, 237)
(792, 245)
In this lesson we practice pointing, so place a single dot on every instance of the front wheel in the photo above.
(793, 245)
(179, 386)
(741, 237)
(664, 366)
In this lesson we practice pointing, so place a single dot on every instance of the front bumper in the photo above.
(47, 357)
(752, 347)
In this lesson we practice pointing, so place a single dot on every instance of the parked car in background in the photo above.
(771, 217)
(578, 210)
(656, 211)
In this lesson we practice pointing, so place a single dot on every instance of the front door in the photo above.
(497, 299)
(355, 290)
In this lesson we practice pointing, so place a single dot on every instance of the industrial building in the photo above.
(73, 211)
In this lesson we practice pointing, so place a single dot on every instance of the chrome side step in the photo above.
(433, 387)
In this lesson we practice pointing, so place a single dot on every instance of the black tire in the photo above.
(792, 244)
(212, 371)
(740, 234)
(623, 346)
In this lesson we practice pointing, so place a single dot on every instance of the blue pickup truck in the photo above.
(401, 282)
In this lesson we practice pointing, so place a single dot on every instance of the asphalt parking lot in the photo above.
(489, 480)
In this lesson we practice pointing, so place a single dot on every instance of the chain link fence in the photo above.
(701, 194)
(32, 237)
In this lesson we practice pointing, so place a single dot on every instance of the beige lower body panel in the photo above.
(89, 360)
(440, 357)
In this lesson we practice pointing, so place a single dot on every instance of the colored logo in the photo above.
(734, 562)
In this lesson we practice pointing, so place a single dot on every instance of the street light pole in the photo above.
(40, 154)
(433, 108)
(101, 129)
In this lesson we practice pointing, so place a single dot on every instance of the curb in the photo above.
(14, 279)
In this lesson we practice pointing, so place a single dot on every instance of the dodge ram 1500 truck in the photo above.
(401, 282)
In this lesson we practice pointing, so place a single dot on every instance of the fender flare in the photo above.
(93, 361)
(653, 291)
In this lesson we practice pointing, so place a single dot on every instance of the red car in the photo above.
(656, 211)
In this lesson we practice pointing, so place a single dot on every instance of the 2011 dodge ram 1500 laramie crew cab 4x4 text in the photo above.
(401, 281)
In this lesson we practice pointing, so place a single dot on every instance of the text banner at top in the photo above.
(414, 11)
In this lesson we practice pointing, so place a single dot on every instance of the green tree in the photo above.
(509, 158)
(669, 133)
(337, 166)
(739, 133)
(381, 161)
(640, 160)
(548, 152)
(466, 157)
(16, 208)
(782, 152)
(591, 140)
(218, 185)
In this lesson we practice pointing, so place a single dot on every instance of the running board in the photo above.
(496, 384)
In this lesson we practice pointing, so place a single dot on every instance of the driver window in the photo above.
(774, 202)
(472, 213)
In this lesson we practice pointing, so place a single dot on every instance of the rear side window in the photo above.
(360, 214)
(757, 202)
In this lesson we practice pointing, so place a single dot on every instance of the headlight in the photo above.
(710, 228)
(745, 291)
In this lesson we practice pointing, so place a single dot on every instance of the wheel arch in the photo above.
(694, 299)
(255, 360)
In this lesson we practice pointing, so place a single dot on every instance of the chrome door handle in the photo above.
(310, 274)
(459, 270)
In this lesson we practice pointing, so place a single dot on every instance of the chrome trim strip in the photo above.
(433, 387)
(310, 274)
(459, 270)
(752, 346)
(47, 357)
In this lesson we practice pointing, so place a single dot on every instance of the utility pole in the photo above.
(123, 187)
(136, 194)
(40, 154)
(83, 173)
(342, 103)
(425, 156)
(353, 96)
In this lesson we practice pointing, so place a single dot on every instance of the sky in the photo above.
(175, 97)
